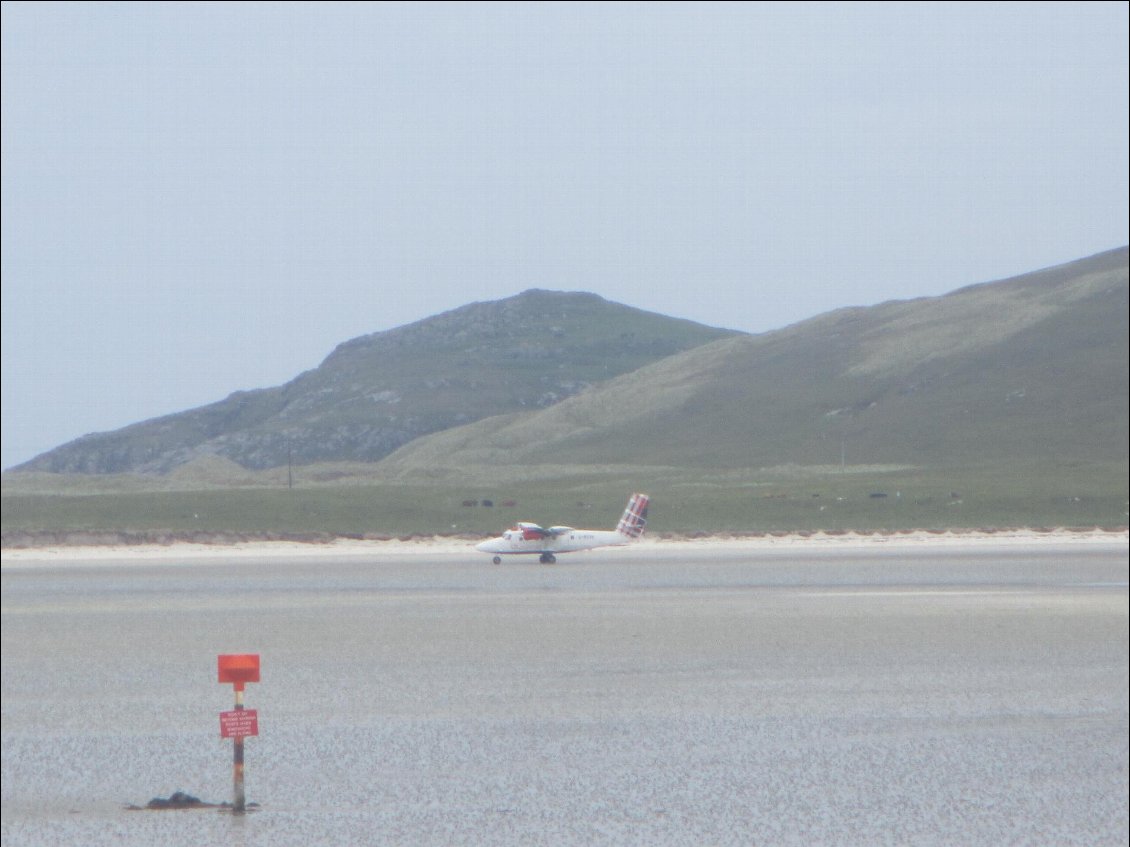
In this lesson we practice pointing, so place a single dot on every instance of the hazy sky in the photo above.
(199, 199)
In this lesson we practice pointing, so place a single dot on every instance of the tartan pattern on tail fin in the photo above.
(635, 516)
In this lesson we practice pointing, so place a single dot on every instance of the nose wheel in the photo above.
(548, 559)
(497, 560)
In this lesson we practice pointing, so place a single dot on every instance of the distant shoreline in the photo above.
(103, 546)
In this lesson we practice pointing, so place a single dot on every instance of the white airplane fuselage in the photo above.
(569, 541)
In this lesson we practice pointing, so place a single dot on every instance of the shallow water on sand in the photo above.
(634, 697)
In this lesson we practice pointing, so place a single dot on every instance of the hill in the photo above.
(1002, 404)
(378, 392)
(1029, 369)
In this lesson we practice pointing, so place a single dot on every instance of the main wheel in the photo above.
(548, 559)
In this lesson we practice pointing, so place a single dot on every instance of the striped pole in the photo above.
(238, 669)
(239, 800)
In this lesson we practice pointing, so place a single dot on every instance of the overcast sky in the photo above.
(199, 199)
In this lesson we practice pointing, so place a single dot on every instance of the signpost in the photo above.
(238, 723)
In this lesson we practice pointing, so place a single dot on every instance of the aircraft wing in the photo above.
(531, 531)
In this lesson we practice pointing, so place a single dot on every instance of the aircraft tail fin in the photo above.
(634, 520)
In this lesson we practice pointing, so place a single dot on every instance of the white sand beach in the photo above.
(445, 546)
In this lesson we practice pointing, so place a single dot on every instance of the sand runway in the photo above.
(669, 694)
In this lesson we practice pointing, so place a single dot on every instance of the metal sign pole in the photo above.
(239, 801)
(238, 723)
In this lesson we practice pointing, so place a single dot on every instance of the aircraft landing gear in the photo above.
(548, 559)
(497, 560)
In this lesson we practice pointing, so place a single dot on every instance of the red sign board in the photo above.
(239, 668)
(239, 723)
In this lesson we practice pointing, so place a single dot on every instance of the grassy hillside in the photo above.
(1024, 370)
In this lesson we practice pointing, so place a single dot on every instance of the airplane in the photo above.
(529, 538)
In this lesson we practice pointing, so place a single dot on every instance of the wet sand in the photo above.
(846, 691)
